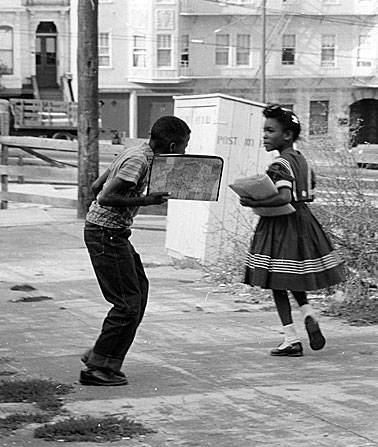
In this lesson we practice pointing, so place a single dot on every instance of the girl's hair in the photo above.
(285, 117)
(169, 129)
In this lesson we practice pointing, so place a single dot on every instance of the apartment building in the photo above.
(34, 47)
(321, 57)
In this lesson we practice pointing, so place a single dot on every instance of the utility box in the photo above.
(231, 128)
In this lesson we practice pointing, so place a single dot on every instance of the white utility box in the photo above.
(231, 128)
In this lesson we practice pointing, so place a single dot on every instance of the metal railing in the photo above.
(45, 2)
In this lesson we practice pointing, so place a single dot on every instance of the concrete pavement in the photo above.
(199, 371)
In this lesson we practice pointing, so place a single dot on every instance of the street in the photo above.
(199, 372)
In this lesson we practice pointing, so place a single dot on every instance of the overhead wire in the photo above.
(153, 39)
(335, 18)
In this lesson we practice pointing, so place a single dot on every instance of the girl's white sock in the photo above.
(307, 310)
(291, 336)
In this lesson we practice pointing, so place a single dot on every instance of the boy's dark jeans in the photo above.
(124, 284)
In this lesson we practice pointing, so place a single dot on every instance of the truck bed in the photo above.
(43, 114)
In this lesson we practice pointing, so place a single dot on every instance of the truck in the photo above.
(366, 155)
(43, 118)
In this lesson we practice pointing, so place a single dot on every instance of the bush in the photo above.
(345, 206)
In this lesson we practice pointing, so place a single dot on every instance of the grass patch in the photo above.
(44, 393)
(92, 429)
(15, 421)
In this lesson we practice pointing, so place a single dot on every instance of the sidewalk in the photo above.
(199, 372)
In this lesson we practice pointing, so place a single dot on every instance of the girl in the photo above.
(290, 252)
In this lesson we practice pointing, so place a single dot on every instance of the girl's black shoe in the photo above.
(293, 350)
(317, 341)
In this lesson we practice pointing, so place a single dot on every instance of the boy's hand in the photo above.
(157, 198)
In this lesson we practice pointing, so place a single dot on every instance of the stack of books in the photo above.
(260, 187)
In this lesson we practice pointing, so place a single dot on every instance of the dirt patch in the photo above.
(23, 287)
(31, 299)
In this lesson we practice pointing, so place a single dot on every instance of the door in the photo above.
(45, 53)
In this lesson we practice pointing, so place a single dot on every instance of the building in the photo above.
(321, 57)
(34, 48)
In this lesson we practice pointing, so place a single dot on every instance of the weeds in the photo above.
(14, 421)
(347, 210)
(92, 429)
(46, 396)
(44, 393)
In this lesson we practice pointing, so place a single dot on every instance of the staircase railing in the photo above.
(36, 93)
(66, 83)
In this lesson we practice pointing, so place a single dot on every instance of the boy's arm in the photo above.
(115, 194)
(99, 183)
(283, 197)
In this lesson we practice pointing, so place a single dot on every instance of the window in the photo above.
(184, 55)
(243, 49)
(222, 49)
(6, 50)
(364, 51)
(288, 49)
(318, 117)
(103, 50)
(139, 51)
(164, 50)
(328, 50)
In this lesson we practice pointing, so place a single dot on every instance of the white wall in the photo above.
(230, 128)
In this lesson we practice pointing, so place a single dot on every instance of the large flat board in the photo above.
(186, 177)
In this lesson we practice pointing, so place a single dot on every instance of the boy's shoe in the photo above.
(100, 377)
(84, 358)
(317, 341)
(293, 350)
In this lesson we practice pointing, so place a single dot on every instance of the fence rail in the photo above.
(43, 165)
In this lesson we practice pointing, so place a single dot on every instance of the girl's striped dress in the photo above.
(292, 252)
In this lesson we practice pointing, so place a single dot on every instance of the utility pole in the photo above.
(263, 52)
(87, 131)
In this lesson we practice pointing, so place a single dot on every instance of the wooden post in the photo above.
(88, 129)
(263, 53)
(4, 130)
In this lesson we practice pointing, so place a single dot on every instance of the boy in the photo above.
(118, 268)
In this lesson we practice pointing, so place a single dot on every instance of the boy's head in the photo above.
(169, 135)
(287, 119)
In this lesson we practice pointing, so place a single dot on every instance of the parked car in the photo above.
(366, 155)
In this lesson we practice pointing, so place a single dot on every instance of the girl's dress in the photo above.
(292, 252)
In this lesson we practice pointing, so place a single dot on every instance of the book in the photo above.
(260, 187)
(257, 187)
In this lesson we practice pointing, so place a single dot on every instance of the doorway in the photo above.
(46, 55)
(364, 122)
